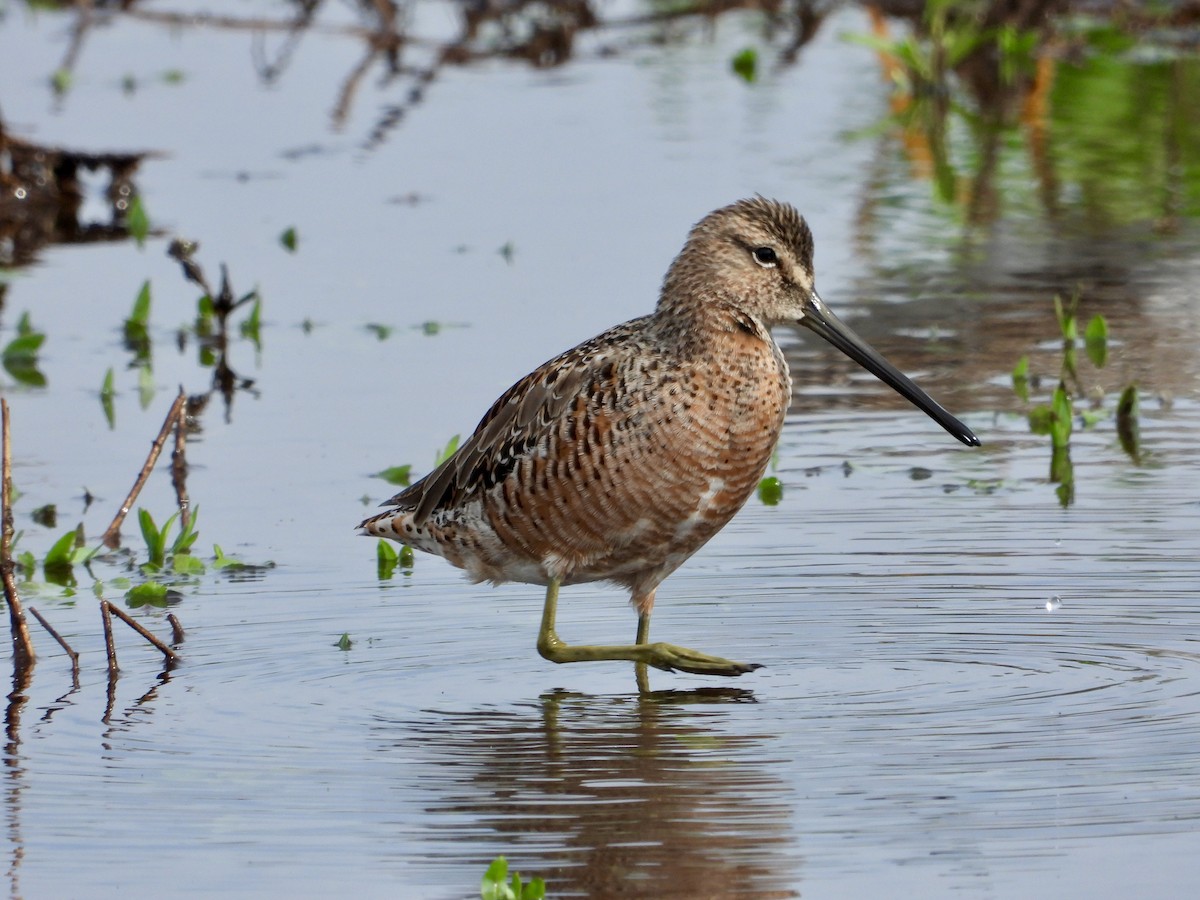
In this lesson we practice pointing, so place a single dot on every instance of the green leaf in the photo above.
(59, 555)
(1065, 313)
(288, 239)
(61, 80)
(82, 555)
(148, 593)
(27, 563)
(140, 314)
(187, 536)
(137, 221)
(149, 534)
(165, 530)
(446, 452)
(23, 349)
(1041, 418)
(406, 557)
(383, 332)
(221, 561)
(107, 393)
(20, 357)
(770, 491)
(1020, 378)
(146, 386)
(745, 64)
(205, 314)
(397, 475)
(186, 564)
(252, 325)
(344, 643)
(1095, 339)
(1060, 429)
(1128, 429)
(386, 558)
(495, 881)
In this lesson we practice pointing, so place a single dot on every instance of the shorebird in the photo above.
(620, 458)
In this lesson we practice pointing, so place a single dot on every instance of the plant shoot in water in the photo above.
(1057, 419)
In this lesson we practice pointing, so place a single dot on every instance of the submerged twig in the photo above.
(176, 629)
(62, 642)
(162, 648)
(179, 467)
(110, 646)
(23, 655)
(112, 536)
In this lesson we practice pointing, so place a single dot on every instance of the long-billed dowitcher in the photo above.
(620, 458)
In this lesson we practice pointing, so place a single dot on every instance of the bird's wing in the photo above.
(514, 424)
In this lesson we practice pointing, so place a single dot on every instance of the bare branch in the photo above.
(112, 536)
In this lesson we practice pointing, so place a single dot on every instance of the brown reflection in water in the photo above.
(42, 192)
(15, 787)
(655, 796)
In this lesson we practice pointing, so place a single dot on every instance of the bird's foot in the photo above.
(670, 657)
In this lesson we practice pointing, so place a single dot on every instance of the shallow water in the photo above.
(968, 689)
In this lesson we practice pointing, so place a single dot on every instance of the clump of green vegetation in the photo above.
(387, 558)
(288, 239)
(497, 885)
(1058, 417)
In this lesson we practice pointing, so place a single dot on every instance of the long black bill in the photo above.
(818, 318)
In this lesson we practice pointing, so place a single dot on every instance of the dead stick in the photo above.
(112, 537)
(110, 645)
(179, 467)
(176, 629)
(137, 626)
(23, 655)
(62, 642)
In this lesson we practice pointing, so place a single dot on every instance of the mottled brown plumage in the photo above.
(620, 458)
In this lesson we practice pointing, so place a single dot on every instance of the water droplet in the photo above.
(1054, 603)
(1058, 542)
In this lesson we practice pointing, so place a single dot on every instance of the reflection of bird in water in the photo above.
(620, 458)
(673, 796)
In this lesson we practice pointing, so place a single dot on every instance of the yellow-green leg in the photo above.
(667, 657)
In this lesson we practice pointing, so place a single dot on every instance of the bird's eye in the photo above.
(765, 257)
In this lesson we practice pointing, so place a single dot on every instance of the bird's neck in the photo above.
(703, 320)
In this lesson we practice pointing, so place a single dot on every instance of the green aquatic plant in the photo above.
(388, 557)
(497, 885)
(770, 491)
(158, 550)
(400, 476)
(107, 393)
(137, 221)
(446, 452)
(66, 553)
(288, 239)
(136, 327)
(1058, 418)
(1128, 429)
(745, 64)
(20, 356)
